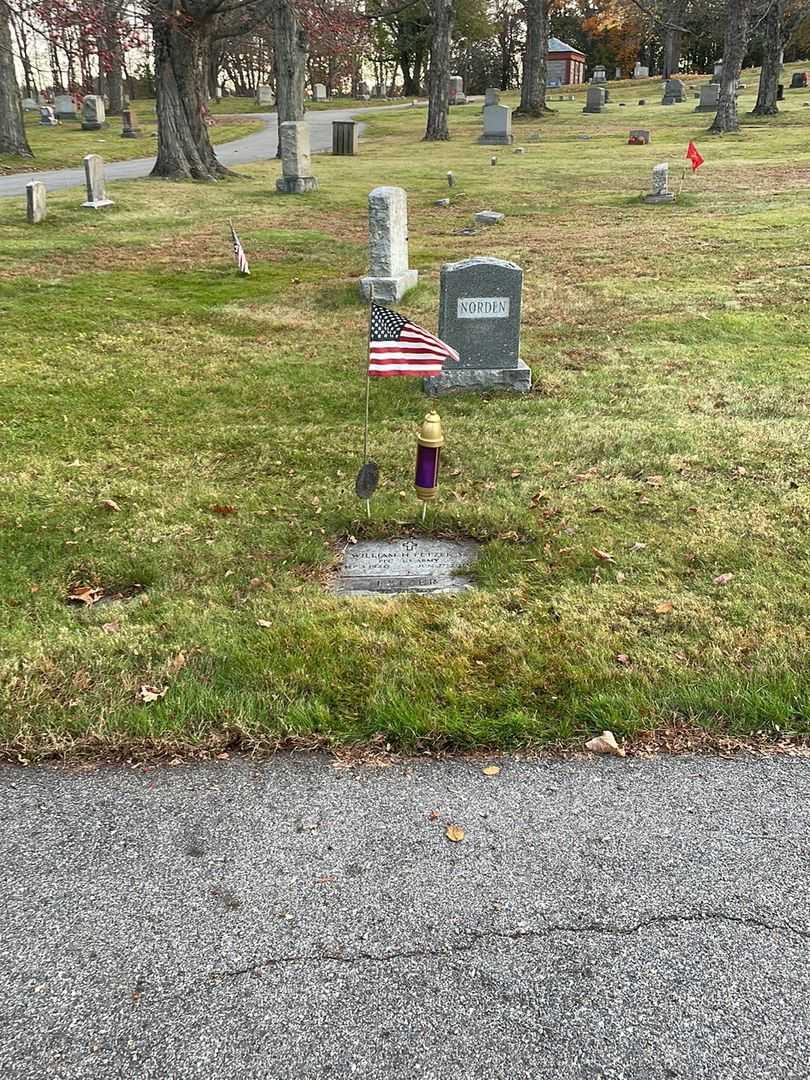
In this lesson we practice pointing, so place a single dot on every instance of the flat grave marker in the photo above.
(406, 566)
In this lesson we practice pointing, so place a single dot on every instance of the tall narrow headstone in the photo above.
(319, 92)
(389, 276)
(130, 129)
(660, 192)
(497, 126)
(36, 200)
(455, 90)
(594, 99)
(479, 315)
(718, 71)
(95, 183)
(296, 160)
(94, 114)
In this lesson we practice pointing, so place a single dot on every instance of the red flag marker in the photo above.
(694, 156)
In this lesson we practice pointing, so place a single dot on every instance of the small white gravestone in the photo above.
(497, 126)
(389, 276)
(264, 95)
(95, 183)
(319, 92)
(296, 160)
(64, 107)
(47, 116)
(660, 192)
(36, 199)
(94, 114)
(641, 71)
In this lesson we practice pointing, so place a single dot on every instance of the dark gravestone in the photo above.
(479, 315)
(397, 566)
(780, 92)
(799, 80)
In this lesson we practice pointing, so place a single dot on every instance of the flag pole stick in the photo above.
(424, 511)
(683, 178)
(368, 386)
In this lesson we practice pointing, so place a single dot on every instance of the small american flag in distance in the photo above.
(239, 253)
(396, 346)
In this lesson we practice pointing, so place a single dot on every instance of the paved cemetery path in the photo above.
(257, 147)
(616, 919)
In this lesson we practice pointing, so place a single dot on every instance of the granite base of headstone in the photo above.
(479, 316)
(95, 183)
(497, 126)
(660, 193)
(389, 276)
(36, 202)
(387, 568)
(296, 160)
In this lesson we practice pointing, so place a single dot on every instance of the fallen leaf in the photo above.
(492, 770)
(110, 504)
(722, 579)
(603, 555)
(433, 815)
(455, 833)
(85, 594)
(35, 588)
(177, 663)
(664, 608)
(111, 627)
(223, 508)
(605, 744)
(516, 473)
(147, 694)
(654, 481)
(264, 623)
(622, 658)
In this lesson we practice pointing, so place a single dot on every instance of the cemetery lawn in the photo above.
(66, 145)
(189, 439)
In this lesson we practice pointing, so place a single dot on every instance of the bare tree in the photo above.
(784, 18)
(738, 29)
(290, 53)
(443, 14)
(533, 86)
(12, 128)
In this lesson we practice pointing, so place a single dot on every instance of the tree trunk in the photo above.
(443, 14)
(290, 52)
(184, 148)
(738, 26)
(533, 87)
(771, 55)
(12, 129)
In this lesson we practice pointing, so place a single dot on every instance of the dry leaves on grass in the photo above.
(666, 607)
(223, 509)
(605, 556)
(722, 579)
(605, 744)
(455, 833)
(109, 504)
(85, 594)
(147, 694)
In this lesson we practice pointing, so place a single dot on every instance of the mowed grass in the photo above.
(65, 146)
(644, 512)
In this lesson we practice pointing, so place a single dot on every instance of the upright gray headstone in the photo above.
(455, 90)
(29, 105)
(64, 107)
(660, 192)
(718, 71)
(296, 160)
(129, 128)
(709, 98)
(674, 92)
(95, 183)
(264, 95)
(319, 92)
(36, 200)
(492, 96)
(363, 91)
(479, 315)
(641, 71)
(617, 73)
(594, 99)
(497, 126)
(94, 114)
(47, 116)
(599, 74)
(389, 276)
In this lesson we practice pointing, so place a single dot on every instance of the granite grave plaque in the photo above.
(413, 566)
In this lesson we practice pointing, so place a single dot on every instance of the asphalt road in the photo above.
(257, 147)
(615, 919)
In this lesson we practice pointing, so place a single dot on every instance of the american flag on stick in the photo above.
(396, 346)
(239, 252)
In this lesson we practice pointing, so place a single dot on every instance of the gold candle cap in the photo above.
(431, 433)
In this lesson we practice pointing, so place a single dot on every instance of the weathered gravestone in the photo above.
(47, 116)
(709, 98)
(296, 160)
(479, 316)
(641, 71)
(674, 92)
(639, 137)
(799, 80)
(64, 107)
(95, 183)
(497, 126)
(660, 192)
(264, 95)
(319, 92)
(455, 90)
(129, 121)
(94, 115)
(36, 200)
(389, 276)
(594, 99)
(492, 96)
(413, 565)
(363, 91)
(718, 71)
(29, 105)
(488, 217)
(599, 74)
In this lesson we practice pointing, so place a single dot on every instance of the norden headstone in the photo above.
(95, 183)
(296, 160)
(36, 199)
(389, 276)
(479, 315)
